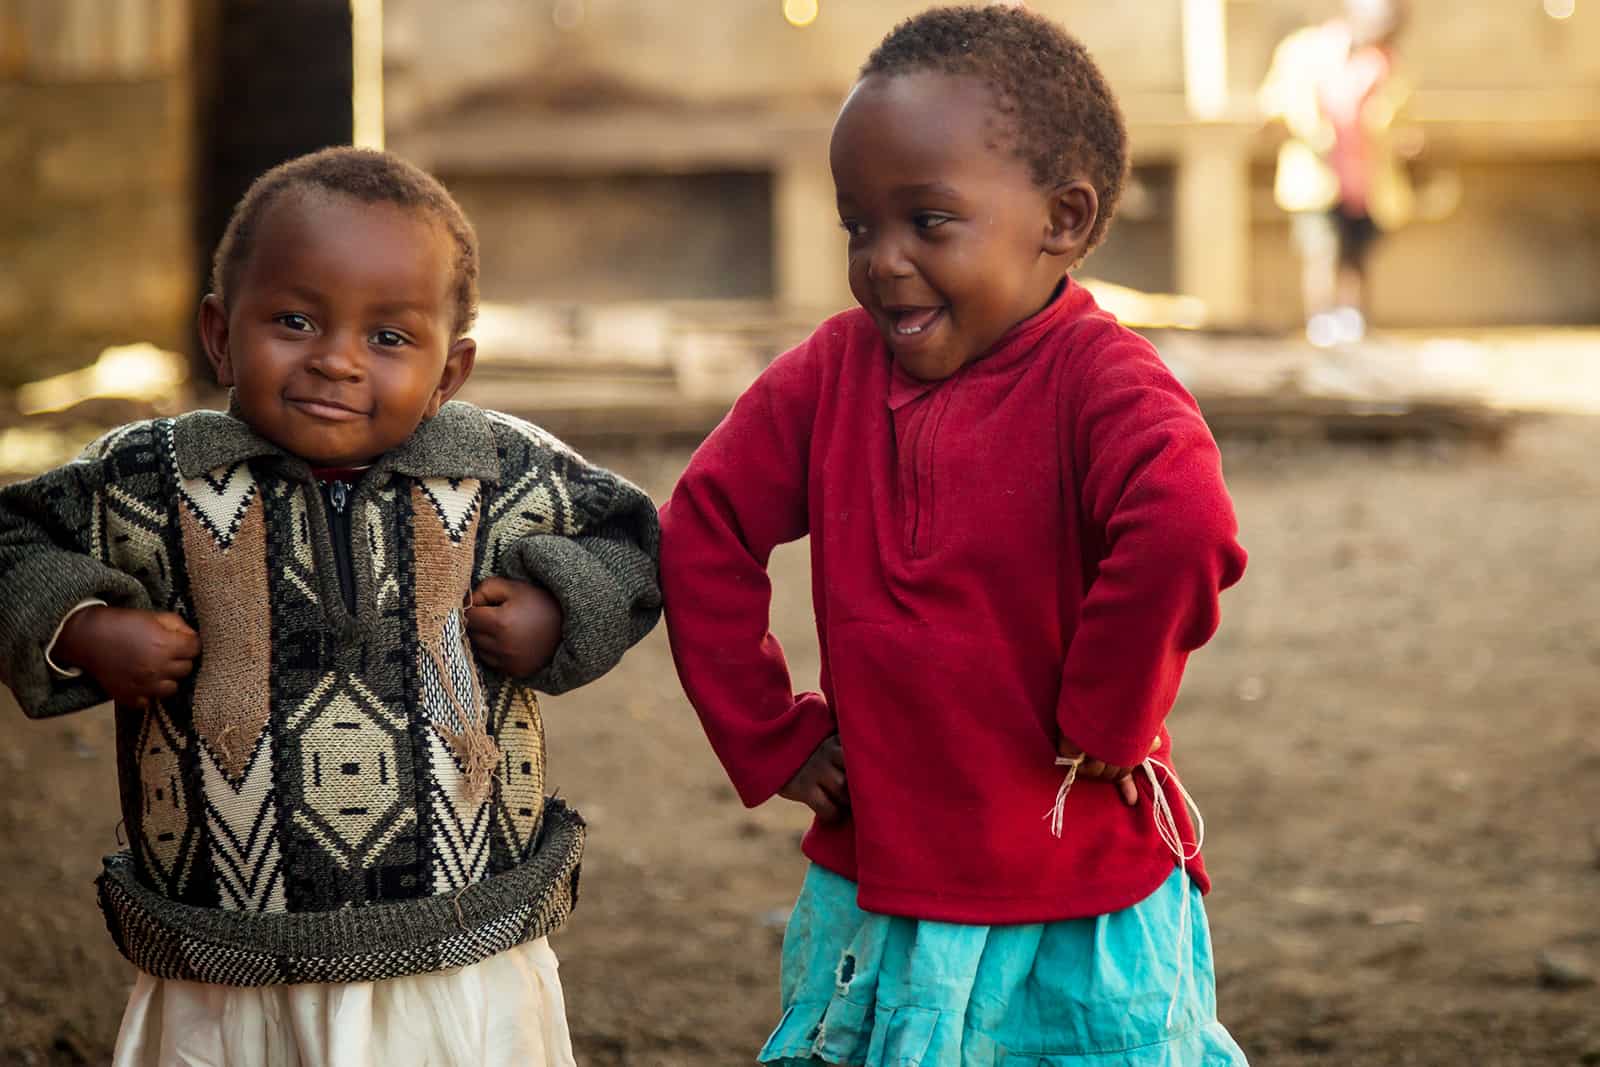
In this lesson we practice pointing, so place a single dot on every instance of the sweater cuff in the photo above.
(595, 629)
(787, 744)
(50, 646)
(1116, 747)
(44, 588)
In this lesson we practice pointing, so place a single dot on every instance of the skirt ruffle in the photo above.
(1131, 989)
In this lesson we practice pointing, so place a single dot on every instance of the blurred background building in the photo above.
(644, 151)
(679, 150)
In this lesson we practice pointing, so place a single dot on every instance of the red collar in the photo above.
(339, 474)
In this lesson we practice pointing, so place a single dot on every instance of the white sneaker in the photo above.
(1322, 329)
(1349, 325)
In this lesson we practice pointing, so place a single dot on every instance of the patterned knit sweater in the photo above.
(332, 795)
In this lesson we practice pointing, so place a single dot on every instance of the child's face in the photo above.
(951, 241)
(337, 337)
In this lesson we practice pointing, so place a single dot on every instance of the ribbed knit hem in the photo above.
(379, 941)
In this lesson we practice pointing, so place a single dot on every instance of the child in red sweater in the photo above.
(1019, 531)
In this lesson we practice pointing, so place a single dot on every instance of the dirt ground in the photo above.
(1395, 740)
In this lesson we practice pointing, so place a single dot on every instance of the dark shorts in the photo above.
(1356, 234)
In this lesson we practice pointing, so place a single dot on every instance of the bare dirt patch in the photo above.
(1395, 739)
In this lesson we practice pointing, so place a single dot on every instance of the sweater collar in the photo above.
(458, 442)
(1011, 351)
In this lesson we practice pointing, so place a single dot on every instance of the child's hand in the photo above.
(136, 656)
(1105, 772)
(820, 785)
(514, 626)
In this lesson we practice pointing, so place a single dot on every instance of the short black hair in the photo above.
(1065, 120)
(367, 175)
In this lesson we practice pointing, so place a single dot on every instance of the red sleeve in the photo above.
(1151, 492)
(743, 494)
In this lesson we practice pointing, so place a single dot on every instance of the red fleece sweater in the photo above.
(1029, 548)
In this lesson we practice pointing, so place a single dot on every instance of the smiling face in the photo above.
(338, 336)
(952, 243)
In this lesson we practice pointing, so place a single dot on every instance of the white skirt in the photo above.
(501, 1011)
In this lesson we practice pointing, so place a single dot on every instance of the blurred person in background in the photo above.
(1341, 172)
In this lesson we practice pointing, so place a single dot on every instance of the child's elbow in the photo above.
(1227, 556)
(1214, 549)
(1211, 560)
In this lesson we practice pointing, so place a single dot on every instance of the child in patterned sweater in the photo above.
(322, 617)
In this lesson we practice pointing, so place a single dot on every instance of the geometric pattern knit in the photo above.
(327, 776)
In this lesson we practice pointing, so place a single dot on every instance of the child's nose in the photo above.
(338, 357)
(887, 259)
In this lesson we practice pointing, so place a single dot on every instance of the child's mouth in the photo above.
(909, 322)
(327, 410)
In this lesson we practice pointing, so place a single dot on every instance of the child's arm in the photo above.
(1150, 485)
(48, 569)
(135, 655)
(744, 493)
(595, 575)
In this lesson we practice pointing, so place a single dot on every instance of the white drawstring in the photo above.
(1058, 811)
(1167, 829)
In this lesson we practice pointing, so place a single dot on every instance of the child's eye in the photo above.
(929, 221)
(297, 323)
(388, 339)
(852, 227)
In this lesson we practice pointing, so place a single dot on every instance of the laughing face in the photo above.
(338, 337)
(952, 243)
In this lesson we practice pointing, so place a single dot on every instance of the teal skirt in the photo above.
(1134, 988)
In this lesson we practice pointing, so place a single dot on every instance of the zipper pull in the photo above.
(337, 493)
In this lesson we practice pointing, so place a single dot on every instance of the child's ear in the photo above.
(1073, 210)
(214, 337)
(457, 368)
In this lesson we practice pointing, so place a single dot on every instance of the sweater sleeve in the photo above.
(599, 560)
(48, 566)
(743, 494)
(1153, 503)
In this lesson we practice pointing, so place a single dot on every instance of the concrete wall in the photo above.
(705, 52)
(1508, 97)
(721, 52)
(682, 68)
(621, 237)
(95, 157)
